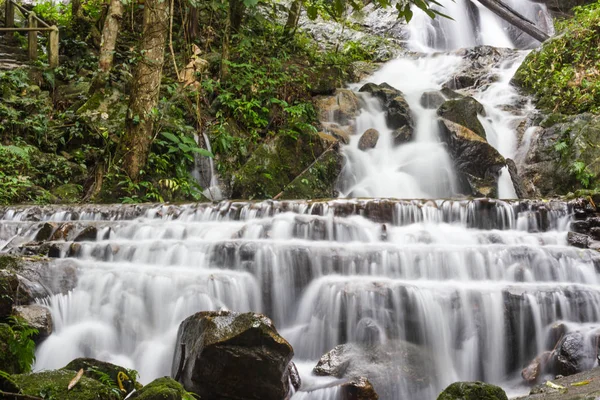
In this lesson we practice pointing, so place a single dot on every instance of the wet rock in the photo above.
(572, 355)
(536, 368)
(472, 391)
(384, 92)
(464, 112)
(578, 240)
(515, 178)
(45, 232)
(358, 389)
(295, 379)
(595, 232)
(402, 135)
(38, 317)
(369, 139)
(398, 113)
(160, 389)
(589, 390)
(224, 355)
(89, 233)
(56, 382)
(580, 226)
(432, 100)
(62, 232)
(477, 162)
(338, 132)
(382, 365)
(342, 107)
(94, 369)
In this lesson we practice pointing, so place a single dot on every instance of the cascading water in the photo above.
(428, 291)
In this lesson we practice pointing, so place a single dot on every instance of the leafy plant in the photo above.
(21, 344)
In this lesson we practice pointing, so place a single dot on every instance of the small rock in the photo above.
(398, 113)
(580, 226)
(87, 234)
(432, 100)
(369, 139)
(359, 389)
(532, 372)
(45, 232)
(160, 389)
(472, 391)
(295, 379)
(595, 232)
(402, 135)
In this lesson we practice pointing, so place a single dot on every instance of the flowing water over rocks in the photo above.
(463, 290)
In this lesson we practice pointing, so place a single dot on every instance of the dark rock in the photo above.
(398, 113)
(515, 178)
(595, 232)
(536, 368)
(38, 317)
(226, 355)
(461, 82)
(45, 232)
(578, 240)
(464, 112)
(580, 226)
(95, 369)
(572, 355)
(62, 232)
(402, 135)
(477, 162)
(295, 379)
(450, 94)
(369, 139)
(89, 233)
(432, 100)
(472, 391)
(160, 389)
(358, 389)
(384, 92)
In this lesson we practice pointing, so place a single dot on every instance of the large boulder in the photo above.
(369, 139)
(398, 114)
(227, 355)
(472, 391)
(383, 92)
(465, 112)
(54, 385)
(160, 389)
(342, 107)
(38, 317)
(386, 367)
(574, 354)
(476, 161)
(560, 159)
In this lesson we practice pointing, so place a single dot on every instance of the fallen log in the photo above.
(513, 17)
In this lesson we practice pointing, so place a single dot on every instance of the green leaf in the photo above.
(171, 137)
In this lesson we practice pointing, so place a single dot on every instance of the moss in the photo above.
(563, 73)
(8, 363)
(319, 180)
(160, 389)
(10, 262)
(68, 193)
(275, 164)
(95, 369)
(464, 112)
(55, 383)
(472, 391)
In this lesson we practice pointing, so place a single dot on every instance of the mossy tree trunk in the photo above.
(139, 124)
(293, 17)
(110, 32)
(235, 15)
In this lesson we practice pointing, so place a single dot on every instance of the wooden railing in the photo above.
(34, 25)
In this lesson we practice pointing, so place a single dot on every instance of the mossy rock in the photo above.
(160, 389)
(472, 391)
(10, 262)
(275, 164)
(464, 111)
(55, 383)
(68, 193)
(8, 363)
(318, 181)
(94, 369)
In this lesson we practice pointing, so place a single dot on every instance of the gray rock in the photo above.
(369, 139)
(464, 111)
(432, 100)
(402, 135)
(578, 240)
(38, 317)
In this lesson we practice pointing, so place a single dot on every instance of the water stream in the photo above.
(448, 289)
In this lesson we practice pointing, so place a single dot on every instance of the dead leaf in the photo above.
(75, 380)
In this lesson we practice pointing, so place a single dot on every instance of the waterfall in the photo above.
(422, 168)
(205, 174)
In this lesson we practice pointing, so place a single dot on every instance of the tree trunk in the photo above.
(236, 14)
(139, 124)
(225, 45)
(511, 16)
(192, 24)
(293, 17)
(110, 32)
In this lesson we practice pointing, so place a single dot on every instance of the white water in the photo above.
(205, 173)
(422, 168)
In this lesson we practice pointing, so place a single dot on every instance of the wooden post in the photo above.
(32, 38)
(53, 47)
(9, 18)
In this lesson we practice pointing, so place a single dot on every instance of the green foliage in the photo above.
(581, 172)
(20, 343)
(54, 13)
(564, 73)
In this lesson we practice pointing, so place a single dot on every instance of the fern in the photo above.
(20, 344)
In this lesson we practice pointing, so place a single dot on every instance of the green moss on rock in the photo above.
(160, 389)
(55, 383)
(472, 391)
(563, 73)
